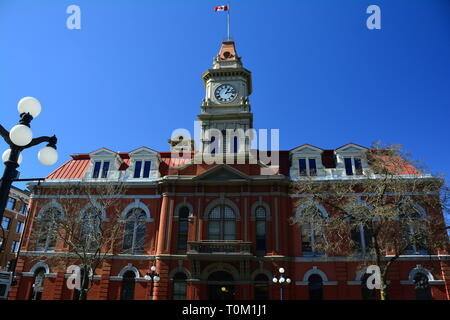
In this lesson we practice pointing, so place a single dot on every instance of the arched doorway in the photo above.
(422, 287)
(261, 287)
(128, 284)
(38, 284)
(220, 286)
(315, 287)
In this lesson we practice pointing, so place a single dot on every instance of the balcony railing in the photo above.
(228, 247)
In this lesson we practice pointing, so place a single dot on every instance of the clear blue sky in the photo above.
(132, 73)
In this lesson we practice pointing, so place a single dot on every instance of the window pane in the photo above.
(215, 213)
(261, 213)
(11, 203)
(105, 169)
(358, 166)
(302, 166)
(19, 227)
(137, 169)
(306, 238)
(147, 166)
(214, 230)
(6, 223)
(229, 230)
(179, 290)
(128, 238)
(260, 228)
(15, 247)
(228, 213)
(24, 208)
(356, 238)
(312, 167)
(348, 166)
(182, 234)
(96, 169)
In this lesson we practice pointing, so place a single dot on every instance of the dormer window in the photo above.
(144, 163)
(307, 167)
(142, 169)
(100, 167)
(353, 166)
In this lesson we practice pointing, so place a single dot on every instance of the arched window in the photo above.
(222, 223)
(361, 236)
(412, 230)
(312, 231)
(38, 284)
(47, 229)
(128, 283)
(422, 287)
(315, 287)
(183, 227)
(366, 293)
(261, 287)
(260, 218)
(179, 286)
(90, 229)
(134, 231)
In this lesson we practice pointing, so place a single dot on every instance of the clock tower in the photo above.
(226, 107)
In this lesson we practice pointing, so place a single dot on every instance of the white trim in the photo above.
(312, 271)
(129, 267)
(94, 204)
(137, 204)
(179, 269)
(257, 204)
(38, 265)
(49, 205)
(219, 202)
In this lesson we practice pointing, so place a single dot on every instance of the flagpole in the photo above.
(228, 11)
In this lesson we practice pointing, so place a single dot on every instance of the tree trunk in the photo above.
(383, 288)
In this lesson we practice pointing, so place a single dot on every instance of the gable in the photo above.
(306, 148)
(143, 152)
(351, 148)
(103, 152)
(222, 173)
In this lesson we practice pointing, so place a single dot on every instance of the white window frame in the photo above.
(102, 168)
(141, 173)
(352, 159)
(308, 169)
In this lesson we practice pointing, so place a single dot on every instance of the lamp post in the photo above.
(20, 137)
(282, 280)
(152, 277)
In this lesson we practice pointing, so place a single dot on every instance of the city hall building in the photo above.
(213, 230)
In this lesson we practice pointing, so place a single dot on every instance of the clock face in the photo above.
(225, 93)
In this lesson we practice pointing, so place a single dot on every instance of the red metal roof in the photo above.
(174, 165)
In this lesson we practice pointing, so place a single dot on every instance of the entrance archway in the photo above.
(220, 286)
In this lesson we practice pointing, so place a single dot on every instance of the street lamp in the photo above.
(153, 277)
(282, 280)
(20, 137)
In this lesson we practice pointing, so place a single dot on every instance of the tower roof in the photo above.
(227, 57)
(227, 51)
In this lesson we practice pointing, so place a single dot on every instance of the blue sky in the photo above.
(132, 73)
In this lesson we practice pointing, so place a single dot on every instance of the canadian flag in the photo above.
(221, 8)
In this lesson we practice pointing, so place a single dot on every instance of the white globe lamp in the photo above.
(48, 156)
(21, 135)
(29, 105)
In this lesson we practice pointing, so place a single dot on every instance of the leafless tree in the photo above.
(393, 208)
(87, 223)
